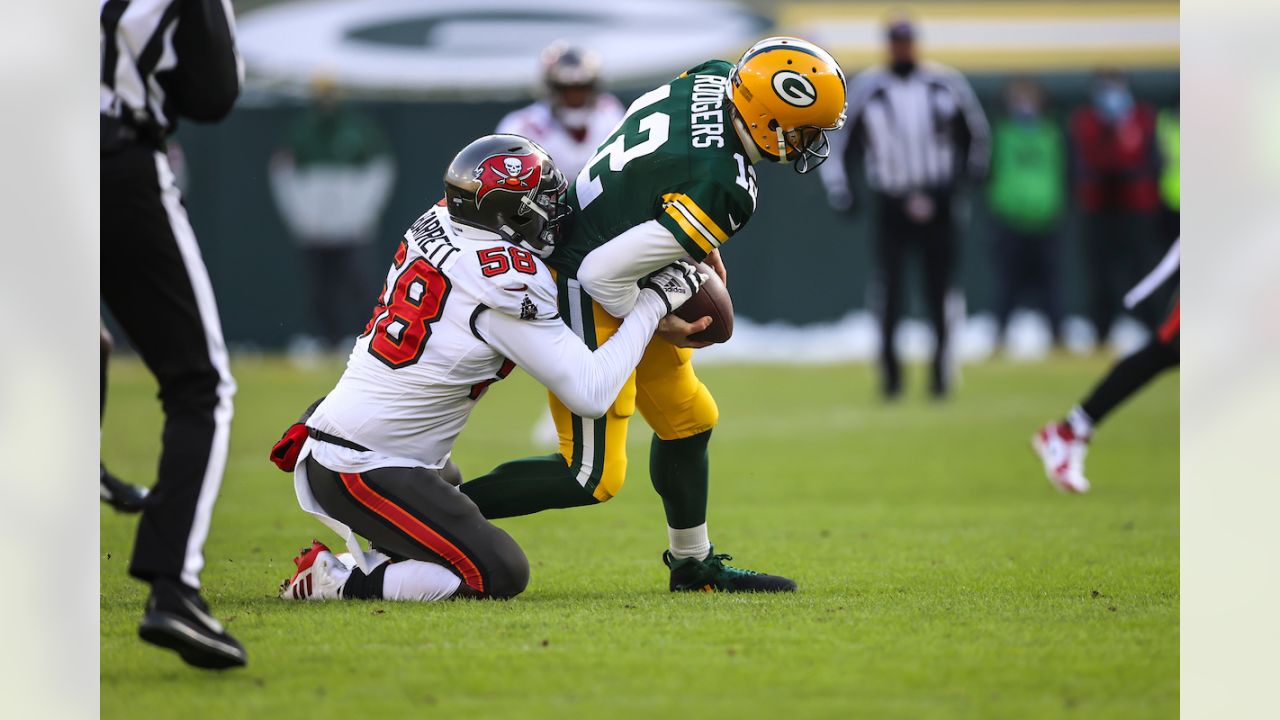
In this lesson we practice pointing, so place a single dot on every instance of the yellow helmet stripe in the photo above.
(696, 215)
(797, 45)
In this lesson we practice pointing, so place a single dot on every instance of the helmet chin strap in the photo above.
(525, 201)
(748, 142)
(782, 146)
(543, 252)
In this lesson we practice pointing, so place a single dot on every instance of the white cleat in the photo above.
(1062, 453)
(320, 575)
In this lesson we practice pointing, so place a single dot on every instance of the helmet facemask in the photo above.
(541, 218)
(808, 144)
(573, 105)
(572, 78)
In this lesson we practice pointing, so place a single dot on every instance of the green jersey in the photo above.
(1028, 188)
(674, 158)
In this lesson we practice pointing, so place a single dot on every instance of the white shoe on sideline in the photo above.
(1062, 453)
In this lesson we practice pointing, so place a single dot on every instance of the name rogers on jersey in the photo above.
(707, 111)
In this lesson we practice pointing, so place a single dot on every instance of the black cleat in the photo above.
(712, 575)
(119, 494)
(177, 618)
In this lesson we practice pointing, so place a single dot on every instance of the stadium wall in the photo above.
(794, 239)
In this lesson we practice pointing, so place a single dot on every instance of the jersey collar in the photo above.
(466, 232)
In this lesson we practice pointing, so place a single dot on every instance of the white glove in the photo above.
(840, 200)
(675, 283)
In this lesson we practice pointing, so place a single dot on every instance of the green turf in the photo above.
(939, 574)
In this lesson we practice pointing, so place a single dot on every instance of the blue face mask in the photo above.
(1113, 102)
(1023, 111)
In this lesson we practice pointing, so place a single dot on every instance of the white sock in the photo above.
(1080, 422)
(689, 542)
(418, 581)
(375, 559)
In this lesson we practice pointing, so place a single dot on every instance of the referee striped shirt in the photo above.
(914, 132)
(165, 58)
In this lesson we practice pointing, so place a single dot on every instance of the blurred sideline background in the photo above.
(431, 76)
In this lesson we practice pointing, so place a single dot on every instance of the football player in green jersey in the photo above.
(675, 178)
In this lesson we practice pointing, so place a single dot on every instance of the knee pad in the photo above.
(669, 394)
(695, 414)
(597, 454)
(611, 478)
(705, 413)
(510, 577)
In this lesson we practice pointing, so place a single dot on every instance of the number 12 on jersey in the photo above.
(656, 127)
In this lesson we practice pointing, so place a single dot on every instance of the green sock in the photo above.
(523, 487)
(681, 471)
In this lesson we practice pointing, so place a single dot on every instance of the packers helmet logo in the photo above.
(794, 88)
(512, 173)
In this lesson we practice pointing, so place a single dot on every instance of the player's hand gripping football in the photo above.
(675, 283)
(678, 331)
(716, 263)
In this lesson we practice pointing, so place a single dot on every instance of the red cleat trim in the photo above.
(304, 562)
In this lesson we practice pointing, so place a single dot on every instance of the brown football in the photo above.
(712, 299)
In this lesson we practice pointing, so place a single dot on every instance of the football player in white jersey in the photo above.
(577, 113)
(466, 300)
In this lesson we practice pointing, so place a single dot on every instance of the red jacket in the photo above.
(1115, 167)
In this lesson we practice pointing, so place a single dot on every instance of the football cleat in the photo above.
(178, 619)
(1062, 453)
(320, 575)
(712, 575)
(119, 494)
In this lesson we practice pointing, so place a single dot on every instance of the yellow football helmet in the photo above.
(788, 93)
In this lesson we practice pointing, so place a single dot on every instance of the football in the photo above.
(712, 299)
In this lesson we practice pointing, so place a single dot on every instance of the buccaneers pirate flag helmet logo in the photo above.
(508, 185)
(513, 173)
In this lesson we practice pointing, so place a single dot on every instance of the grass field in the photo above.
(939, 574)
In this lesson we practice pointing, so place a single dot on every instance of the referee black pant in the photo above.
(155, 284)
(932, 238)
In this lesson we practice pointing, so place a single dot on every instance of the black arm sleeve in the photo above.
(206, 82)
(963, 137)
(854, 149)
(973, 136)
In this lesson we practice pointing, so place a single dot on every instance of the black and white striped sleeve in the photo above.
(977, 150)
(167, 58)
(209, 70)
(847, 143)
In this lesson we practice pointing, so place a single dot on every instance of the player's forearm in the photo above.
(601, 376)
(610, 272)
(586, 382)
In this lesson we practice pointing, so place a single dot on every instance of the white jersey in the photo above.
(461, 308)
(537, 123)
(414, 376)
